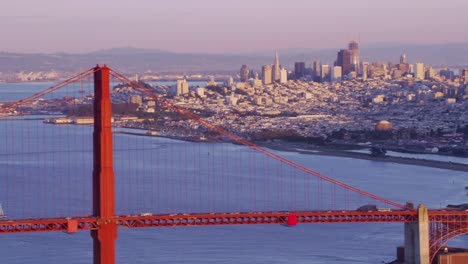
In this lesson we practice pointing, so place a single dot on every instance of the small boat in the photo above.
(2, 214)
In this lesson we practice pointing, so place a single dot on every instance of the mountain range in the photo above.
(136, 60)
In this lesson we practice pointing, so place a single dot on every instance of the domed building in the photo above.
(383, 126)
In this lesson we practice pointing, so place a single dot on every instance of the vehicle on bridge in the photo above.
(367, 208)
(372, 208)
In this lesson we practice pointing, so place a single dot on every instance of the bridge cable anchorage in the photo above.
(11, 106)
(135, 85)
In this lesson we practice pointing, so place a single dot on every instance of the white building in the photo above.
(200, 91)
(419, 71)
(283, 76)
(335, 75)
(181, 88)
(266, 74)
(325, 72)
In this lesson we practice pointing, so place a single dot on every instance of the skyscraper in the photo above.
(365, 70)
(464, 75)
(335, 74)
(403, 59)
(419, 71)
(354, 50)
(180, 88)
(316, 68)
(430, 73)
(344, 60)
(253, 74)
(284, 76)
(276, 69)
(299, 69)
(244, 73)
(325, 73)
(266, 74)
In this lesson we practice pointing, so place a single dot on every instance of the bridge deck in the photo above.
(214, 219)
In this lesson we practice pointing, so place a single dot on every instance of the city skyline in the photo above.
(240, 26)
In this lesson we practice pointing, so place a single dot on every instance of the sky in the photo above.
(225, 26)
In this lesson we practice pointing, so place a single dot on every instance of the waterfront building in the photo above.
(419, 71)
(266, 74)
(299, 69)
(244, 73)
(276, 74)
(344, 60)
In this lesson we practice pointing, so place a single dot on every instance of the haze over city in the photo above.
(228, 131)
(210, 26)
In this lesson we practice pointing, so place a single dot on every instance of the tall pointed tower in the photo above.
(276, 68)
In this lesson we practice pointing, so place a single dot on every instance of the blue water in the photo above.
(327, 243)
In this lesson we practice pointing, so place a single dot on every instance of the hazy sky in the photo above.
(215, 26)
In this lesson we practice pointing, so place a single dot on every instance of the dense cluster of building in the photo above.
(348, 66)
(30, 76)
(425, 106)
(416, 99)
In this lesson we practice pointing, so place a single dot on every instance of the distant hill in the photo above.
(132, 60)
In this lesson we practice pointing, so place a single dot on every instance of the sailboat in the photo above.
(2, 215)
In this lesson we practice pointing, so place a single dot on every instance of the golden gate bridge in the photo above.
(235, 186)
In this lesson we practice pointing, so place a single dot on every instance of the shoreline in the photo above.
(303, 149)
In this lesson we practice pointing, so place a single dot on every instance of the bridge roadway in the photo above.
(74, 224)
